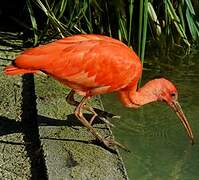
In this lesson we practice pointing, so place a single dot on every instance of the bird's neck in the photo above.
(135, 98)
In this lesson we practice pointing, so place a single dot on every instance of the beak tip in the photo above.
(192, 142)
(176, 106)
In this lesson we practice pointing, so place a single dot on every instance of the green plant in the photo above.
(132, 21)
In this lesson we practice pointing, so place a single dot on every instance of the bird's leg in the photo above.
(90, 109)
(71, 100)
(109, 143)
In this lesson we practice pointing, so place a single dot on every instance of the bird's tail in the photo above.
(12, 70)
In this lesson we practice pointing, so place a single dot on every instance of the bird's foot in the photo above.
(102, 119)
(104, 114)
(101, 115)
(107, 142)
(111, 144)
(107, 122)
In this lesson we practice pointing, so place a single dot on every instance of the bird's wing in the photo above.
(87, 60)
(96, 64)
(42, 56)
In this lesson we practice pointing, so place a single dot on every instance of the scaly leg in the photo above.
(70, 98)
(109, 143)
(90, 109)
(102, 114)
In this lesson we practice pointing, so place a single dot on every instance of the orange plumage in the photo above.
(86, 63)
(96, 64)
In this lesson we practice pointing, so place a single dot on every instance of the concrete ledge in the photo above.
(40, 138)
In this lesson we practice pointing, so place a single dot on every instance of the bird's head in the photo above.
(167, 92)
(164, 90)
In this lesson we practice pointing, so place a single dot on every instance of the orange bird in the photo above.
(94, 64)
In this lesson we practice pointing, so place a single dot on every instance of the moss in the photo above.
(14, 161)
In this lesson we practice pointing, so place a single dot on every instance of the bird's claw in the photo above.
(116, 117)
(104, 114)
(112, 144)
(107, 122)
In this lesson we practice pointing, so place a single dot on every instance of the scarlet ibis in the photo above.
(94, 64)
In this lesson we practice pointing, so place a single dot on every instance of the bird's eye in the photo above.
(173, 94)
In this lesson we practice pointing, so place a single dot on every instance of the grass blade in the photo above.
(191, 24)
(130, 21)
(176, 21)
(144, 33)
(33, 21)
(140, 28)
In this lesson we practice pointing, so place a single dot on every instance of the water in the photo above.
(160, 149)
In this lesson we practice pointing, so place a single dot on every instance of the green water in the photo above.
(160, 149)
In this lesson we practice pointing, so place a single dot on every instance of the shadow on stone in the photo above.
(70, 121)
(9, 126)
(30, 129)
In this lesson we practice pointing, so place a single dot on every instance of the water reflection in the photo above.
(160, 149)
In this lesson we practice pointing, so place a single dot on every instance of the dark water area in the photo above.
(160, 148)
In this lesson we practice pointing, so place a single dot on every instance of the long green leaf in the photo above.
(145, 21)
(140, 27)
(176, 21)
(192, 26)
(33, 21)
(189, 4)
(130, 20)
(144, 32)
(62, 8)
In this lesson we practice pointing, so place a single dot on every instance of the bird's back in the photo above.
(85, 62)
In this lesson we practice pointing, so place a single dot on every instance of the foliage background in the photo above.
(174, 23)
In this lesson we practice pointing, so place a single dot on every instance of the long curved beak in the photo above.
(177, 108)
